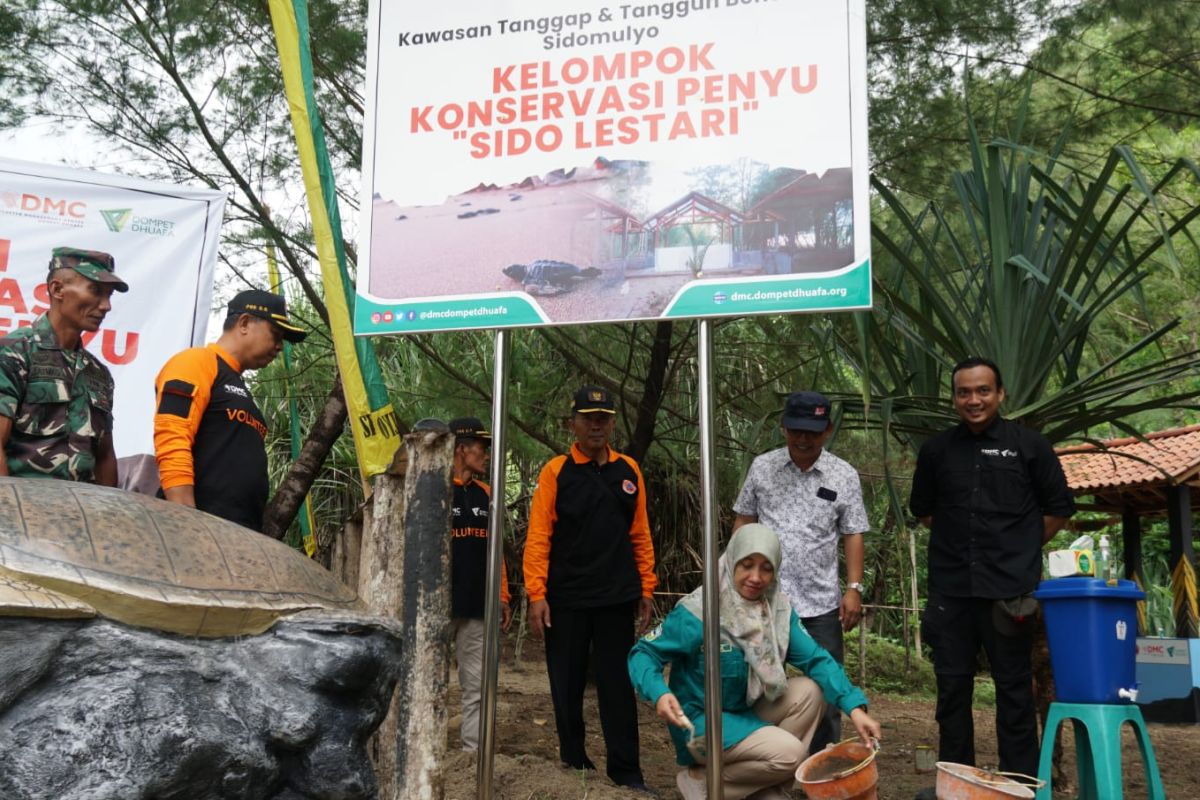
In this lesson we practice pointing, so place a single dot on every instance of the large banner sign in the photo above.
(164, 239)
(568, 161)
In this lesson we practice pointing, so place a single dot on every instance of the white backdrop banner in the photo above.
(164, 239)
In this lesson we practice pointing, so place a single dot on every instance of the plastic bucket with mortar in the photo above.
(843, 771)
(961, 782)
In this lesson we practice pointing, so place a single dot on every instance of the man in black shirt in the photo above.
(993, 492)
(468, 566)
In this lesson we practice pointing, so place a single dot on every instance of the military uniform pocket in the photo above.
(43, 410)
(100, 405)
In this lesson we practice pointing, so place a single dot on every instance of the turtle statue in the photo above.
(91, 550)
(150, 650)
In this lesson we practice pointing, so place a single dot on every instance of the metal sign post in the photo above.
(712, 592)
(491, 613)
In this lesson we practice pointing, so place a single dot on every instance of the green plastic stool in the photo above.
(1098, 749)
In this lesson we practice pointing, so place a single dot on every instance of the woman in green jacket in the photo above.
(767, 719)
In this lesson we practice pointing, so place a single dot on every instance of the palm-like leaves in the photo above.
(1021, 270)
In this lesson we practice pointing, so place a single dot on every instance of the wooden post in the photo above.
(914, 594)
(422, 685)
(380, 578)
(1131, 547)
(403, 573)
(347, 549)
(1182, 562)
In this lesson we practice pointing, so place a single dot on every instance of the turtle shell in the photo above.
(151, 563)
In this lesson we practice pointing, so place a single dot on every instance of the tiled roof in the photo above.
(1133, 467)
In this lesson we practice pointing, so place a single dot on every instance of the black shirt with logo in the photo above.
(987, 494)
(468, 549)
(229, 453)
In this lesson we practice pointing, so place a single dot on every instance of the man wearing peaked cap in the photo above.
(813, 500)
(208, 431)
(56, 398)
(469, 513)
(589, 569)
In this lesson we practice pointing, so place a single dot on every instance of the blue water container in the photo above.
(1092, 628)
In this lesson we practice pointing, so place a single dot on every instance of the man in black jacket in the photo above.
(993, 492)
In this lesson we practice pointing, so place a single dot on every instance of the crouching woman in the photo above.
(768, 719)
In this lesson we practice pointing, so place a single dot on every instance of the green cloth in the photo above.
(679, 641)
(60, 403)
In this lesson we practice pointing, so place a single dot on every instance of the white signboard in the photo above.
(1151, 650)
(570, 161)
(164, 239)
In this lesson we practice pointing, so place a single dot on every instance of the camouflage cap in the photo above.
(91, 264)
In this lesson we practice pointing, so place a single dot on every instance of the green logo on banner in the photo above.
(116, 218)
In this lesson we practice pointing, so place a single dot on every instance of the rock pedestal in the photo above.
(97, 710)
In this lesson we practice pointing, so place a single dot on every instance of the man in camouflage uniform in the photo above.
(55, 397)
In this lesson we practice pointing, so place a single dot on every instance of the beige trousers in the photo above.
(768, 758)
(468, 650)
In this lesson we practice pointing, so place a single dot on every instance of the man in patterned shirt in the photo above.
(55, 397)
(812, 499)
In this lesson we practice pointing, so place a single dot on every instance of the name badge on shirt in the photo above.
(827, 494)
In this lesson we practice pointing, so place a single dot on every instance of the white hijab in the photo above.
(759, 628)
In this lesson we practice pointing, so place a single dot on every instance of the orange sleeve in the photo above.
(181, 394)
(541, 528)
(504, 595)
(639, 533)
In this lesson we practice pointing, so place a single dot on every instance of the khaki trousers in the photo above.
(468, 650)
(768, 758)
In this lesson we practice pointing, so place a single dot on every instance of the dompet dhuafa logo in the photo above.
(116, 218)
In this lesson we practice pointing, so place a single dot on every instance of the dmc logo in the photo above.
(116, 218)
(46, 206)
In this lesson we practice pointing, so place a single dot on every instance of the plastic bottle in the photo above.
(1104, 561)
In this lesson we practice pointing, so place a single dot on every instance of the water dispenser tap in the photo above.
(1128, 694)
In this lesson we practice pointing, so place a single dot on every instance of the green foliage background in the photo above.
(188, 90)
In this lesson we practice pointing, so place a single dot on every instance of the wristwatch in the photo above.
(856, 586)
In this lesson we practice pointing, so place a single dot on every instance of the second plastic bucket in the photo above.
(960, 782)
(843, 771)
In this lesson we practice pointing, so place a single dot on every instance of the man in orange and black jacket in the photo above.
(589, 569)
(208, 432)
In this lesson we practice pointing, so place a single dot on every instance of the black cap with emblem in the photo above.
(268, 306)
(593, 398)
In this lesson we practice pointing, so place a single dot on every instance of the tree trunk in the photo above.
(282, 508)
(652, 393)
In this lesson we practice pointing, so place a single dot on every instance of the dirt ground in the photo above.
(527, 767)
